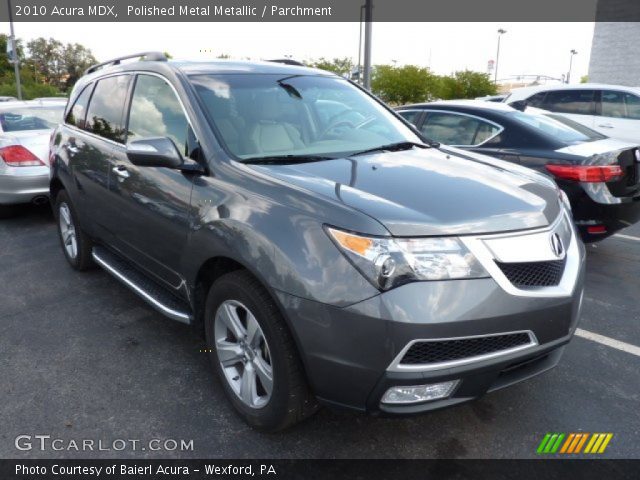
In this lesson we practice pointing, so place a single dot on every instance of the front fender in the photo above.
(284, 245)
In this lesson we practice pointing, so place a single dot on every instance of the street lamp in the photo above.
(573, 52)
(501, 31)
(13, 45)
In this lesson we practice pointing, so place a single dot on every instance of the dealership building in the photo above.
(614, 54)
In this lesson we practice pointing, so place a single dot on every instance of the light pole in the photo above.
(572, 52)
(14, 53)
(368, 20)
(501, 31)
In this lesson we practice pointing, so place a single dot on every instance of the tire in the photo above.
(76, 245)
(289, 400)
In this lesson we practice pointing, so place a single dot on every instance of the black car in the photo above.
(600, 175)
(327, 253)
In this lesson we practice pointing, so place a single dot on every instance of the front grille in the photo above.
(533, 274)
(457, 349)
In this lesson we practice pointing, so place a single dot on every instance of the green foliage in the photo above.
(413, 84)
(47, 67)
(584, 79)
(465, 84)
(340, 66)
(29, 90)
(400, 85)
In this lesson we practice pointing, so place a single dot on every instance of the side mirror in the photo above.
(154, 152)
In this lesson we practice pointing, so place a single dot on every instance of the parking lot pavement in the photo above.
(81, 357)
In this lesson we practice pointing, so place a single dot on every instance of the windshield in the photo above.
(558, 127)
(31, 118)
(269, 115)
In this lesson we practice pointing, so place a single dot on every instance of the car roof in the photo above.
(215, 66)
(469, 104)
(524, 92)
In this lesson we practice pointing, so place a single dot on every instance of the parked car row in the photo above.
(600, 175)
(329, 252)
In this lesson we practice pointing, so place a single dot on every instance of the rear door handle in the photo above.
(606, 125)
(121, 171)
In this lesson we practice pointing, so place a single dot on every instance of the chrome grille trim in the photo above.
(398, 366)
(519, 247)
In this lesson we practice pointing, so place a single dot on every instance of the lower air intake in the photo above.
(440, 351)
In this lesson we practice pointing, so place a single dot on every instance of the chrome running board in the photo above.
(156, 296)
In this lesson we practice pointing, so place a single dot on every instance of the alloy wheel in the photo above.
(243, 353)
(68, 231)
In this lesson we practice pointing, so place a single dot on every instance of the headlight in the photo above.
(388, 262)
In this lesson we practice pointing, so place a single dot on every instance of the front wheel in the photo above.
(254, 354)
(76, 245)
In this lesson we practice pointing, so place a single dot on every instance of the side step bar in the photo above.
(155, 295)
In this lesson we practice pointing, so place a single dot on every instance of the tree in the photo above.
(465, 84)
(46, 57)
(400, 85)
(75, 60)
(341, 66)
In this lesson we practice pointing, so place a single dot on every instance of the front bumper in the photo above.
(348, 352)
(23, 184)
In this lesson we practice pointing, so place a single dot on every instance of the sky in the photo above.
(526, 48)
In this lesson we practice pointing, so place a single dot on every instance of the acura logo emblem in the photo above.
(556, 245)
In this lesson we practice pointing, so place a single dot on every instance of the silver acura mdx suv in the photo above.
(328, 252)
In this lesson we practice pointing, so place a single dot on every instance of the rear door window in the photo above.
(620, 105)
(78, 112)
(579, 102)
(105, 114)
(456, 129)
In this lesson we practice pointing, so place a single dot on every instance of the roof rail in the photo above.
(288, 61)
(150, 56)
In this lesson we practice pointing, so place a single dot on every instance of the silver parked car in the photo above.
(25, 128)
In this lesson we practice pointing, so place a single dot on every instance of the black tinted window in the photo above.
(157, 112)
(411, 115)
(78, 112)
(537, 100)
(570, 101)
(107, 104)
(454, 129)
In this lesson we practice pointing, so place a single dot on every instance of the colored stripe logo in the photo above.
(574, 443)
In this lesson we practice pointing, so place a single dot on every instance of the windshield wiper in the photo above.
(391, 147)
(285, 159)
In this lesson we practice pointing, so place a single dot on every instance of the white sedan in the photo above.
(25, 128)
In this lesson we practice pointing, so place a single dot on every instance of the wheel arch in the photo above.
(214, 268)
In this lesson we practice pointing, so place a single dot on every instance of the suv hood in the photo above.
(429, 192)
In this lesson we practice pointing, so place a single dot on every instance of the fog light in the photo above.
(418, 393)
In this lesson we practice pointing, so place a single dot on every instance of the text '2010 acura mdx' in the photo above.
(329, 254)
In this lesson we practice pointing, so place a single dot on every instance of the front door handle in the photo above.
(121, 171)
(606, 125)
